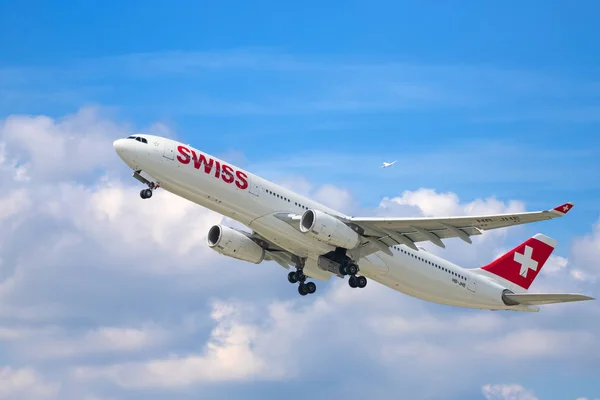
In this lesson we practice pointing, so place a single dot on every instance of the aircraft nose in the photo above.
(119, 145)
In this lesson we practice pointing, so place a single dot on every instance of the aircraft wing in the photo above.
(545, 298)
(386, 232)
(272, 251)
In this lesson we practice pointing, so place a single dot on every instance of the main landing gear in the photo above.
(298, 276)
(351, 268)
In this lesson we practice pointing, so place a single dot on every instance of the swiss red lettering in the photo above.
(218, 170)
(227, 174)
(197, 161)
(241, 181)
(202, 160)
(208, 163)
(224, 172)
(185, 152)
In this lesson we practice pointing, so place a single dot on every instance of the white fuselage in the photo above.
(252, 200)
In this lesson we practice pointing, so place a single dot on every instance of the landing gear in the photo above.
(352, 269)
(307, 288)
(292, 277)
(146, 193)
(298, 276)
(357, 281)
(349, 267)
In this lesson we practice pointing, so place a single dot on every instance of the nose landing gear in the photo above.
(146, 193)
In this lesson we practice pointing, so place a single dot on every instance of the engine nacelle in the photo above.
(329, 229)
(229, 242)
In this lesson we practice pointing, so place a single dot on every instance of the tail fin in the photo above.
(521, 265)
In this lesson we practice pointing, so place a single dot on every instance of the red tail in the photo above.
(523, 263)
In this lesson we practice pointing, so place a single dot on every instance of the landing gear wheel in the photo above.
(352, 269)
(353, 281)
(361, 281)
(303, 289)
(146, 193)
(292, 277)
(311, 287)
(299, 275)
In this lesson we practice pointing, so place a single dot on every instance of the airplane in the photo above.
(314, 241)
(388, 164)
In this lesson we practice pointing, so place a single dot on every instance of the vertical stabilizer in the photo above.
(521, 265)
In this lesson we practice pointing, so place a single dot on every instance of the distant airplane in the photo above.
(388, 164)
(319, 242)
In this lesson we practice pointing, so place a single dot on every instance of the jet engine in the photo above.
(328, 229)
(232, 243)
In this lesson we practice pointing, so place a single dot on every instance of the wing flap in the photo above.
(545, 298)
(280, 258)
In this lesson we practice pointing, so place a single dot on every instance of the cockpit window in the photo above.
(139, 139)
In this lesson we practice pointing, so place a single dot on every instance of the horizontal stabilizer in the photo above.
(545, 298)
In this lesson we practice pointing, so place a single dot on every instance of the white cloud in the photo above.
(555, 265)
(101, 340)
(507, 392)
(298, 184)
(585, 253)
(57, 149)
(334, 197)
(91, 274)
(429, 203)
(25, 384)
(249, 345)
(536, 343)
(2, 154)
(228, 356)
(15, 202)
(112, 213)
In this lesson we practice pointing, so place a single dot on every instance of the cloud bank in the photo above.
(104, 295)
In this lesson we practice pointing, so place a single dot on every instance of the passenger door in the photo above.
(255, 188)
(169, 149)
(472, 283)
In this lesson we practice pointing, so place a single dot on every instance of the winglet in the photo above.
(563, 208)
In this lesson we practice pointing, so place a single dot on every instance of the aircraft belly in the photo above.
(373, 265)
(417, 281)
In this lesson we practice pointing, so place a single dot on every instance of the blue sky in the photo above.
(478, 99)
